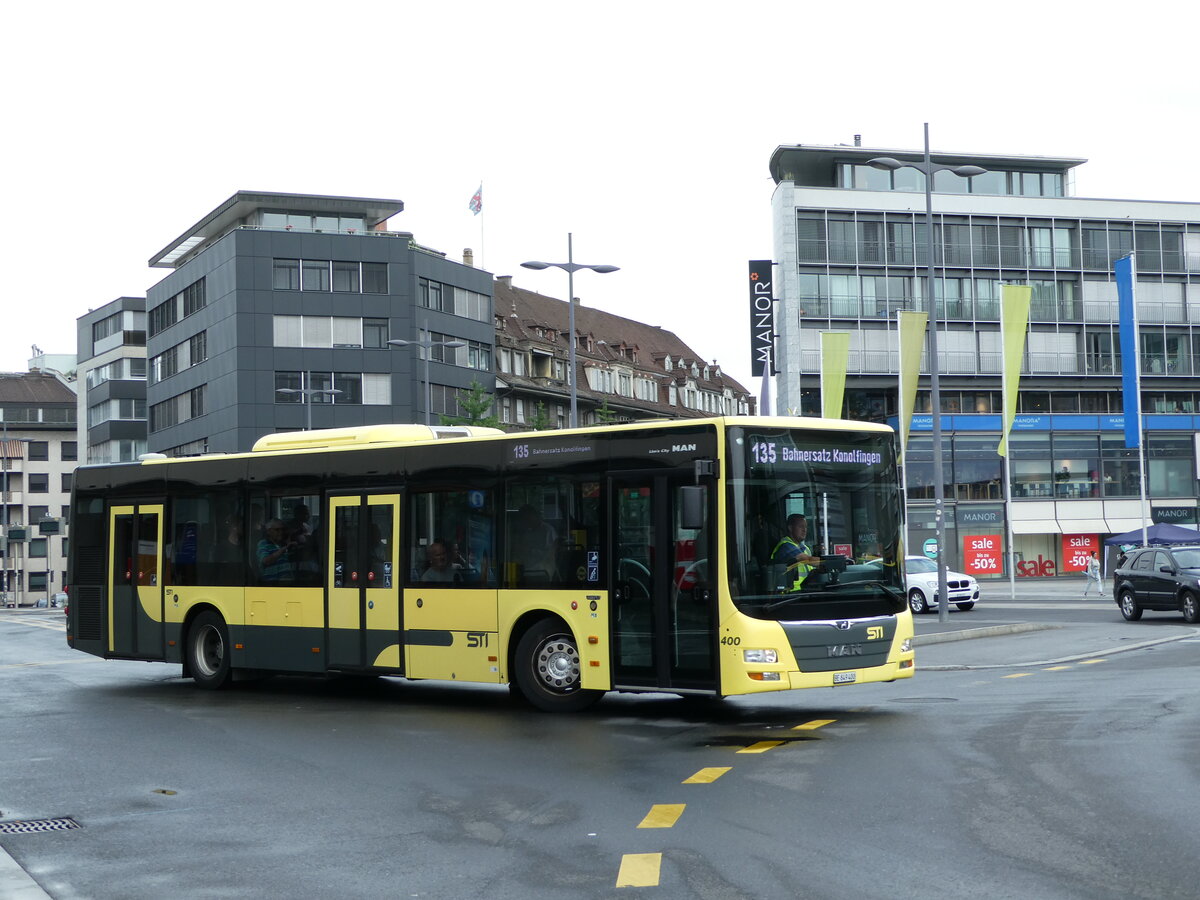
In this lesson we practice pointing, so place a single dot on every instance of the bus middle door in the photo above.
(364, 589)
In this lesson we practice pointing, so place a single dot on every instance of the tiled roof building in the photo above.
(627, 370)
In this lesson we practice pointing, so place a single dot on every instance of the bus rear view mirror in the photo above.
(691, 506)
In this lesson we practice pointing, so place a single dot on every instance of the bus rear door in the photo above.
(135, 594)
(663, 601)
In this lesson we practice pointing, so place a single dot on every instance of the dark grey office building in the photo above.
(279, 311)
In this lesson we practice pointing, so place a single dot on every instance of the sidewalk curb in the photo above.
(16, 883)
(944, 637)
(1047, 662)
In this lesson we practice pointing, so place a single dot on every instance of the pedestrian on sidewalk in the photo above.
(1092, 571)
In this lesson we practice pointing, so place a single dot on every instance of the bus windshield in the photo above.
(815, 524)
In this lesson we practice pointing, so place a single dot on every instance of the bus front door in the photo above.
(663, 599)
(364, 590)
(135, 594)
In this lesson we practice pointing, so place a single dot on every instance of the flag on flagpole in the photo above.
(911, 327)
(835, 355)
(1125, 273)
(476, 204)
(1014, 323)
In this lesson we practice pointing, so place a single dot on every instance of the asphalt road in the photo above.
(1054, 762)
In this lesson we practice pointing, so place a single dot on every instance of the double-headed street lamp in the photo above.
(307, 394)
(427, 344)
(570, 267)
(928, 169)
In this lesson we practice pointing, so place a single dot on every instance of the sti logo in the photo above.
(754, 276)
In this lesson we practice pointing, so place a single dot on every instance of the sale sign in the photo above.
(1076, 548)
(983, 554)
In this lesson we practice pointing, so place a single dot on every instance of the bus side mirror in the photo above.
(691, 506)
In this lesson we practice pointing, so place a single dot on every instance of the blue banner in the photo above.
(1127, 316)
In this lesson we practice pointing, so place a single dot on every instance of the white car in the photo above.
(921, 575)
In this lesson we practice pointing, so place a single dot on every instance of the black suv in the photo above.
(1165, 578)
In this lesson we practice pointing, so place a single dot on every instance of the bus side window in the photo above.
(552, 532)
(451, 537)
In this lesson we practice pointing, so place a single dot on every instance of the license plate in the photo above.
(844, 677)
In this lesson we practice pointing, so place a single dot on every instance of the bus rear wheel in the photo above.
(208, 651)
(547, 669)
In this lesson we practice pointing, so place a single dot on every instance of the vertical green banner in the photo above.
(911, 328)
(835, 355)
(1014, 323)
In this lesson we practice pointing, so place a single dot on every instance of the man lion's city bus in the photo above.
(638, 557)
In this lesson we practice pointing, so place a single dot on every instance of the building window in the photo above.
(431, 295)
(285, 275)
(66, 482)
(39, 483)
(375, 333)
(345, 277)
(479, 356)
(69, 450)
(198, 348)
(37, 548)
(374, 278)
(163, 316)
(106, 326)
(376, 389)
(194, 298)
(39, 450)
(315, 275)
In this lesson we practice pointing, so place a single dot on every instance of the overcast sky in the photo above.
(644, 128)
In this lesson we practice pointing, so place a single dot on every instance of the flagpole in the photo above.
(900, 427)
(1004, 389)
(1137, 381)
(482, 255)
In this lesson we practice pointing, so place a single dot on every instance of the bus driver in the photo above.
(794, 553)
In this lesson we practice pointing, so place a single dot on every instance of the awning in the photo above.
(1120, 526)
(1035, 526)
(1084, 526)
(12, 449)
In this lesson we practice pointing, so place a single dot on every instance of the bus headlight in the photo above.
(760, 656)
(906, 645)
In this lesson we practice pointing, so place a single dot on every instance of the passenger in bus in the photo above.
(533, 545)
(437, 558)
(274, 551)
(794, 554)
(304, 557)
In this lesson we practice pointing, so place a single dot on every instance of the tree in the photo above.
(475, 404)
(604, 415)
(540, 420)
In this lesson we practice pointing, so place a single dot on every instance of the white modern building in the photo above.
(850, 250)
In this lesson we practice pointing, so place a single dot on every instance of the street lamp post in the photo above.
(307, 394)
(571, 267)
(427, 344)
(928, 169)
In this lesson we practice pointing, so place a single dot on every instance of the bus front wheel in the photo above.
(208, 651)
(548, 670)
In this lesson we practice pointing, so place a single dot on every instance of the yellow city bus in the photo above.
(638, 557)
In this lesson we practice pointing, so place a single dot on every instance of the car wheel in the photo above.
(917, 602)
(548, 670)
(965, 606)
(208, 651)
(1129, 606)
(1189, 607)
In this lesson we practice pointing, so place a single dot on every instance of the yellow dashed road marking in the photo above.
(760, 747)
(639, 870)
(1018, 675)
(1088, 662)
(814, 724)
(663, 815)
(1056, 668)
(707, 775)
